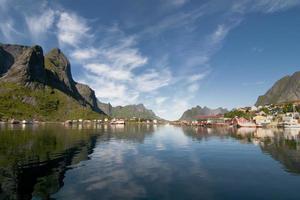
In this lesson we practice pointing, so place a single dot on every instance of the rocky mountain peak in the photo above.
(22, 64)
(28, 66)
(190, 114)
(284, 90)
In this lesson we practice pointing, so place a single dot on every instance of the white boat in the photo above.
(291, 126)
(242, 122)
(290, 121)
(26, 122)
(118, 121)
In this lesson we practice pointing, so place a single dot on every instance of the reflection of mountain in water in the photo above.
(282, 145)
(33, 163)
(33, 160)
(285, 147)
(202, 133)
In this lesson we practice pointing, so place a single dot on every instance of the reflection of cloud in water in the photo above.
(124, 169)
(170, 136)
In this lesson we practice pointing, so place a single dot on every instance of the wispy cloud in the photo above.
(264, 6)
(177, 2)
(8, 30)
(159, 100)
(72, 29)
(270, 6)
(40, 24)
(198, 77)
(111, 65)
(177, 20)
(152, 80)
(193, 87)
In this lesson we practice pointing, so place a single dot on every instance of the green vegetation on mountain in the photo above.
(190, 114)
(133, 111)
(34, 86)
(45, 104)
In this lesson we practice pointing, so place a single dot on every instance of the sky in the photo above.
(169, 55)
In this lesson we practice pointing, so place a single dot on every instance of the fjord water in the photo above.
(148, 162)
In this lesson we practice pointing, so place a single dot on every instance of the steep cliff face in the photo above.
(59, 76)
(105, 107)
(284, 90)
(190, 114)
(89, 96)
(59, 71)
(27, 67)
(22, 64)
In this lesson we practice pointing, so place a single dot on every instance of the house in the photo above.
(207, 120)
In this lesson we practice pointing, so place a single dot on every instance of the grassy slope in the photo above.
(43, 104)
(128, 112)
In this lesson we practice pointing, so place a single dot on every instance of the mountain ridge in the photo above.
(27, 69)
(191, 113)
(286, 89)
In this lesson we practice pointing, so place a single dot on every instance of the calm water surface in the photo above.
(148, 162)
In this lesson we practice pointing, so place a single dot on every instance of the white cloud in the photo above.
(178, 2)
(72, 29)
(109, 72)
(197, 77)
(270, 6)
(8, 30)
(264, 6)
(160, 100)
(39, 24)
(153, 80)
(177, 20)
(84, 54)
(193, 87)
(115, 92)
(124, 55)
(219, 34)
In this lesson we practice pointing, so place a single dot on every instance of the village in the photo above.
(285, 115)
(112, 121)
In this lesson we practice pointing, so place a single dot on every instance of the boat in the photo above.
(242, 122)
(117, 121)
(291, 120)
(26, 122)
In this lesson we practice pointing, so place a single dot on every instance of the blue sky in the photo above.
(168, 54)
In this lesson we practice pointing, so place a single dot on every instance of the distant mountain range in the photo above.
(128, 112)
(34, 85)
(287, 89)
(190, 114)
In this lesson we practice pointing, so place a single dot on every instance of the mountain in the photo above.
(195, 111)
(34, 85)
(105, 107)
(130, 111)
(286, 89)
